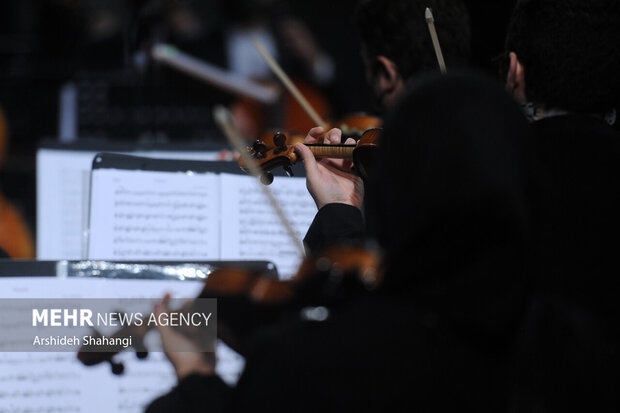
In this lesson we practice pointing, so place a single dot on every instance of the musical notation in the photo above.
(168, 229)
(153, 215)
(132, 216)
(166, 215)
(63, 176)
(58, 382)
(253, 230)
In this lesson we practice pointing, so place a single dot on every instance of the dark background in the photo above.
(46, 43)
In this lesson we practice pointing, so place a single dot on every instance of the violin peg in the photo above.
(117, 368)
(258, 149)
(288, 170)
(279, 139)
(266, 178)
(141, 351)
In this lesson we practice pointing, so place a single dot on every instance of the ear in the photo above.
(388, 72)
(388, 81)
(515, 80)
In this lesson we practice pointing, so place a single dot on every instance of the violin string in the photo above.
(225, 121)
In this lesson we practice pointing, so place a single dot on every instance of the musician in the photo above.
(396, 44)
(435, 336)
(396, 47)
(274, 24)
(562, 61)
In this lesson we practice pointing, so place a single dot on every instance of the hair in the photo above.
(465, 184)
(397, 30)
(569, 50)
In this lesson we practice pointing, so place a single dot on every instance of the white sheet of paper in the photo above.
(149, 215)
(58, 382)
(60, 196)
(152, 215)
(60, 203)
(251, 230)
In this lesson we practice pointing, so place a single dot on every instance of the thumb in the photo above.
(162, 308)
(310, 164)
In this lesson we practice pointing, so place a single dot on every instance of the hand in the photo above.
(189, 360)
(330, 180)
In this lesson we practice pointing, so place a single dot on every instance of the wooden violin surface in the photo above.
(278, 152)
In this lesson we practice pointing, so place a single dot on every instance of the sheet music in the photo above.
(58, 382)
(251, 229)
(60, 203)
(167, 215)
(147, 215)
(60, 196)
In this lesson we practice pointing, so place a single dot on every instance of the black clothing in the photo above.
(570, 350)
(375, 354)
(575, 169)
(3, 254)
(333, 224)
(437, 335)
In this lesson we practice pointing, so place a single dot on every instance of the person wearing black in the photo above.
(436, 335)
(562, 66)
(396, 47)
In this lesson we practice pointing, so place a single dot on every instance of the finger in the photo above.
(314, 134)
(333, 136)
(162, 307)
(341, 164)
(310, 164)
(347, 164)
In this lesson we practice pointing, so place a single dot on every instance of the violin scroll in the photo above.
(282, 153)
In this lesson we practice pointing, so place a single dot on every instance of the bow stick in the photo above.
(430, 21)
(231, 82)
(225, 121)
(288, 83)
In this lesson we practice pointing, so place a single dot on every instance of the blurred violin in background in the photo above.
(15, 236)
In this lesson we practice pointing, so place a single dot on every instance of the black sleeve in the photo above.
(334, 223)
(195, 393)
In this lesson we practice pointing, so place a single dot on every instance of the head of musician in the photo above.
(563, 54)
(396, 44)
(456, 217)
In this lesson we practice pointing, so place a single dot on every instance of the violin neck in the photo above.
(331, 151)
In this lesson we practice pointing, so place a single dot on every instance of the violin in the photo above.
(248, 300)
(282, 153)
(15, 236)
(354, 125)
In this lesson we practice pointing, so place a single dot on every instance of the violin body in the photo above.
(354, 125)
(15, 236)
(248, 301)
